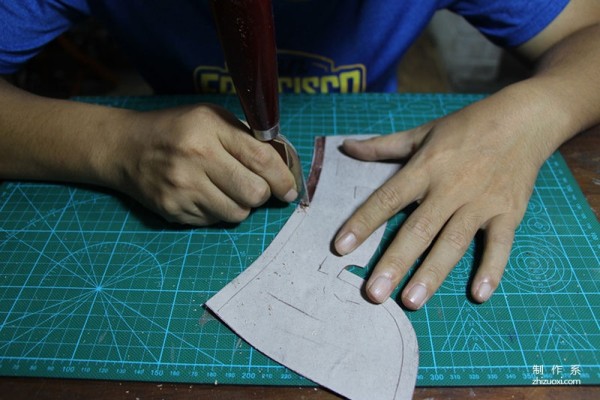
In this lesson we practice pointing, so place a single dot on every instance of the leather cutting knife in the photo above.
(247, 34)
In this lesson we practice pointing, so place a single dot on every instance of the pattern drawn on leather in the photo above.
(299, 305)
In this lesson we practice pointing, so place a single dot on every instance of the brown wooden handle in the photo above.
(247, 35)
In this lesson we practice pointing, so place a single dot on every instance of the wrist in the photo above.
(119, 136)
(537, 113)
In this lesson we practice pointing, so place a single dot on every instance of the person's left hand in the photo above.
(474, 169)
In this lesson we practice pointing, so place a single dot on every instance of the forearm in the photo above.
(50, 139)
(544, 111)
(567, 80)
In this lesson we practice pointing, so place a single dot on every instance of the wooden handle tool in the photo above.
(247, 35)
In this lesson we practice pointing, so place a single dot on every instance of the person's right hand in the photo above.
(198, 165)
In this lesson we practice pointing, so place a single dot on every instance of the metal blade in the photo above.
(289, 154)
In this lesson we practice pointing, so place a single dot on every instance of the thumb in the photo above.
(386, 147)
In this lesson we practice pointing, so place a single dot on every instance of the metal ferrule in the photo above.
(269, 134)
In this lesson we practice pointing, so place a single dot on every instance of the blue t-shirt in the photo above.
(323, 46)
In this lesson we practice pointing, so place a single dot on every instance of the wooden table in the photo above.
(583, 156)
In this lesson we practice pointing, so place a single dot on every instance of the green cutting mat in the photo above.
(93, 286)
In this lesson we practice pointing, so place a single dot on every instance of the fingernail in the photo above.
(346, 243)
(484, 291)
(380, 289)
(416, 296)
(290, 196)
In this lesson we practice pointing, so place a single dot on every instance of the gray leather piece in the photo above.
(298, 305)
